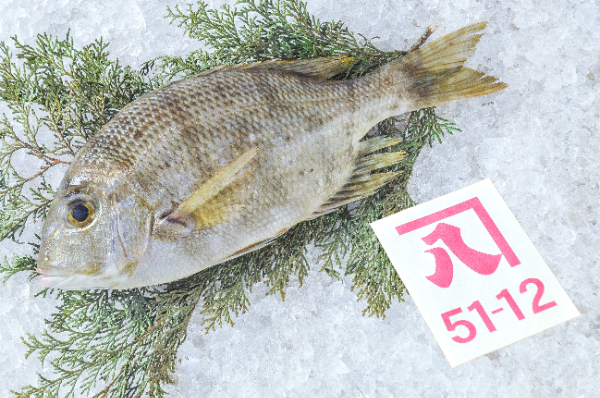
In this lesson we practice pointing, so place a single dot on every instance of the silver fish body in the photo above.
(216, 165)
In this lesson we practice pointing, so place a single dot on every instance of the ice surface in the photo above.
(538, 141)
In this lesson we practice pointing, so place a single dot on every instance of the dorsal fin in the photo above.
(322, 67)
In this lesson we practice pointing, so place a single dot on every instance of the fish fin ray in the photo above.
(376, 143)
(364, 182)
(212, 203)
(215, 213)
(213, 70)
(353, 192)
(377, 161)
(322, 67)
(436, 74)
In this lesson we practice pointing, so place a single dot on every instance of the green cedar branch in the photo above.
(56, 90)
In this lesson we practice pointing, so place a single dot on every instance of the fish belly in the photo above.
(282, 191)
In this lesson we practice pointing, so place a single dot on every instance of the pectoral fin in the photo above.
(215, 201)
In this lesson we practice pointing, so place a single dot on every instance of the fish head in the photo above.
(94, 235)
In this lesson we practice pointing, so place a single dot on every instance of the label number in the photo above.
(452, 326)
(484, 316)
(535, 305)
(511, 303)
(478, 308)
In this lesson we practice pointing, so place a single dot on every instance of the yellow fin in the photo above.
(221, 207)
(199, 204)
(436, 72)
(363, 182)
(358, 187)
(376, 143)
(377, 161)
(323, 67)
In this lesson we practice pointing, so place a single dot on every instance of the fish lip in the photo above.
(54, 278)
(75, 281)
(62, 282)
(54, 272)
(52, 281)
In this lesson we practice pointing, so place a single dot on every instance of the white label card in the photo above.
(473, 272)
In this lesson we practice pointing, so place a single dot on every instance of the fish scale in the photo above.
(245, 121)
(220, 164)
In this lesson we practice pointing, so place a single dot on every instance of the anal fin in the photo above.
(364, 181)
(375, 144)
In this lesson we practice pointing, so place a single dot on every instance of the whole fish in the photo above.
(220, 164)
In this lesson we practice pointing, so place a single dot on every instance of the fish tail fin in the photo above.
(435, 73)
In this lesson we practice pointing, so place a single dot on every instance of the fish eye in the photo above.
(80, 213)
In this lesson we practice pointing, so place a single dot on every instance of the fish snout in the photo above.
(51, 274)
(51, 229)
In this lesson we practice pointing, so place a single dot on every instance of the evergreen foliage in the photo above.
(107, 343)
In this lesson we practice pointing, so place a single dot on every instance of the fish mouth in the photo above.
(52, 281)
(69, 280)
(53, 272)
(53, 277)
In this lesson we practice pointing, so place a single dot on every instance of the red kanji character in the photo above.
(482, 263)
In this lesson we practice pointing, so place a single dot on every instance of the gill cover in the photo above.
(132, 224)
